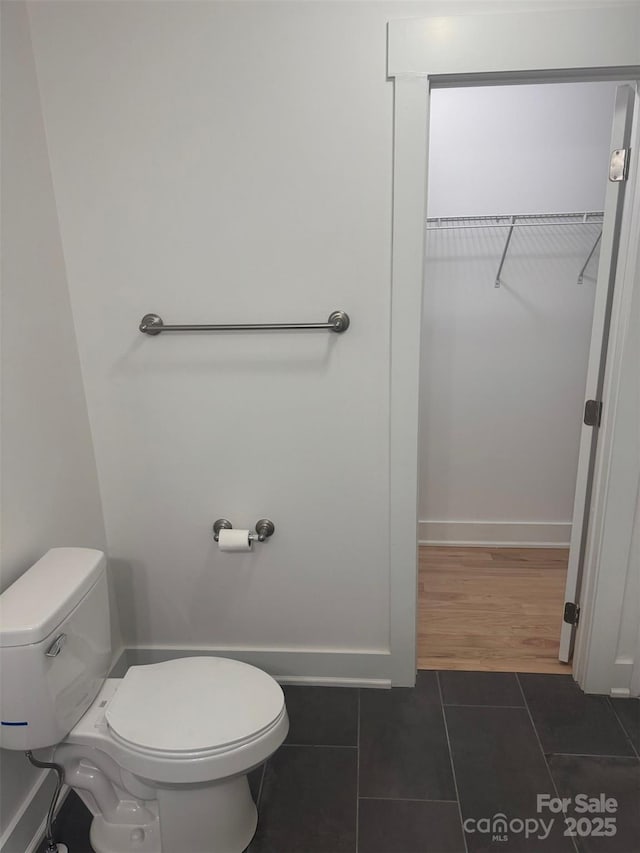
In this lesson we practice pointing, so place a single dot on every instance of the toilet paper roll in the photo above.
(234, 540)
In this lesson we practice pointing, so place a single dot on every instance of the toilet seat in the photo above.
(193, 707)
(118, 719)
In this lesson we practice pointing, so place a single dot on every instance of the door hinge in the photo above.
(619, 165)
(571, 613)
(593, 412)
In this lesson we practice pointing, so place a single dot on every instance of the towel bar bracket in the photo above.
(151, 324)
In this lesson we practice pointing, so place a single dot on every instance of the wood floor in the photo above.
(491, 609)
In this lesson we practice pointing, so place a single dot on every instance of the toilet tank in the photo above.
(55, 646)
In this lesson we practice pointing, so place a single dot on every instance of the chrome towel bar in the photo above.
(152, 324)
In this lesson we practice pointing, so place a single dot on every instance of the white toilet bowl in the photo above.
(161, 756)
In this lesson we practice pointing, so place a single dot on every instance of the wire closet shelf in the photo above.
(521, 220)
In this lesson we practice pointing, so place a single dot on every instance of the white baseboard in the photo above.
(26, 830)
(496, 534)
(324, 668)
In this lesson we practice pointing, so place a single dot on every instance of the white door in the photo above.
(607, 271)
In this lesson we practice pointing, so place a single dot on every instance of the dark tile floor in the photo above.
(399, 771)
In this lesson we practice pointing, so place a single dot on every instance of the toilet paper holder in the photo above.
(264, 529)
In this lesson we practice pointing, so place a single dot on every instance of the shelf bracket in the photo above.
(586, 263)
(498, 282)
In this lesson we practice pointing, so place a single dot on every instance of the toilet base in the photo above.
(217, 818)
(220, 817)
(122, 838)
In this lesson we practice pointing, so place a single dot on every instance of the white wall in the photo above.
(210, 167)
(49, 482)
(229, 162)
(519, 149)
(503, 370)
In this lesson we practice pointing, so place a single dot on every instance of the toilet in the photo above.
(160, 756)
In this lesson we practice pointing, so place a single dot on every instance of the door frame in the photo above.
(625, 114)
(487, 49)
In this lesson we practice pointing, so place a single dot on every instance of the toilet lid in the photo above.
(193, 704)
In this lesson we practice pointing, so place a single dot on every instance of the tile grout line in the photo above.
(320, 745)
(464, 705)
(358, 775)
(544, 756)
(633, 758)
(623, 727)
(453, 769)
(408, 800)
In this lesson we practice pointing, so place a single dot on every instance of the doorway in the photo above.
(537, 46)
(514, 223)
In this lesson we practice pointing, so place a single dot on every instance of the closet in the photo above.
(515, 211)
